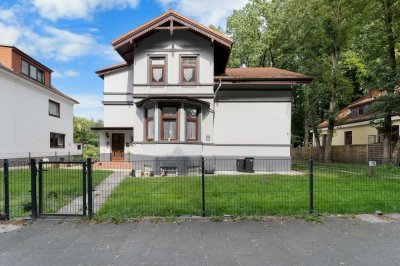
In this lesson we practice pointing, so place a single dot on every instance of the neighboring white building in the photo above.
(173, 97)
(35, 117)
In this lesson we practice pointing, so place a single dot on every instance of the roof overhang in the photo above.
(106, 70)
(173, 21)
(171, 99)
(111, 128)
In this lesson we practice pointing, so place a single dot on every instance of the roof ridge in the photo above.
(162, 16)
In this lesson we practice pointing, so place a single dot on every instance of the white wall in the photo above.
(252, 123)
(25, 121)
(181, 43)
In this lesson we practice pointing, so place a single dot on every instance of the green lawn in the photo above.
(338, 188)
(60, 186)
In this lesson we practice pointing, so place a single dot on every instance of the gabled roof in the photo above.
(51, 88)
(261, 74)
(171, 21)
(344, 116)
(171, 16)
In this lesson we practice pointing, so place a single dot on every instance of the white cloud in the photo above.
(65, 73)
(78, 9)
(9, 34)
(206, 11)
(90, 105)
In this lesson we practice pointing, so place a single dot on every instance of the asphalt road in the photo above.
(336, 241)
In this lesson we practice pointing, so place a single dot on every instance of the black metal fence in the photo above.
(200, 187)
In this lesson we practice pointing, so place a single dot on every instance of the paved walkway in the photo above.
(294, 242)
(100, 194)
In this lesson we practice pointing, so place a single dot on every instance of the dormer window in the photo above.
(361, 110)
(32, 71)
(189, 69)
(157, 70)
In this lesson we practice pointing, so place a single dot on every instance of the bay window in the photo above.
(189, 69)
(169, 123)
(150, 124)
(192, 124)
(157, 70)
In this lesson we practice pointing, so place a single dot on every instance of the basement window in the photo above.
(169, 171)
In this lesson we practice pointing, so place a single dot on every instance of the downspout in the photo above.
(215, 96)
(213, 110)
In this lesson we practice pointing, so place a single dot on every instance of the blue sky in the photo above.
(73, 37)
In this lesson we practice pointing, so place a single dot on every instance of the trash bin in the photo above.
(241, 165)
(249, 165)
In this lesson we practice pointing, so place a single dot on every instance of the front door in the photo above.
(117, 147)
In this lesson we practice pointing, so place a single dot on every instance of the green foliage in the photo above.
(302, 36)
(82, 132)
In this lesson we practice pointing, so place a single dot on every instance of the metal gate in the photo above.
(62, 188)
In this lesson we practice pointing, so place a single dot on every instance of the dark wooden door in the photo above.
(117, 148)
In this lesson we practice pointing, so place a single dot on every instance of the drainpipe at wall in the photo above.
(215, 96)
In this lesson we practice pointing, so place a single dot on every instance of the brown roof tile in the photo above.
(344, 116)
(260, 73)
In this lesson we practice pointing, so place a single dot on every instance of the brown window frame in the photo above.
(169, 118)
(147, 119)
(38, 70)
(59, 109)
(346, 138)
(52, 137)
(182, 66)
(164, 70)
(191, 119)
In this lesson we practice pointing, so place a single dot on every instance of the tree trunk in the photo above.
(391, 52)
(272, 58)
(396, 154)
(332, 104)
(317, 143)
(390, 39)
(306, 130)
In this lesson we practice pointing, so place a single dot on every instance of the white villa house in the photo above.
(36, 118)
(174, 98)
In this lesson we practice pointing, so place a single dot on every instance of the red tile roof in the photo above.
(344, 116)
(260, 73)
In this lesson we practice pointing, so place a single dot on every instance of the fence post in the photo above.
(90, 187)
(40, 187)
(33, 189)
(6, 190)
(203, 195)
(311, 175)
(84, 172)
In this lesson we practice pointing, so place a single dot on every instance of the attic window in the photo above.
(32, 71)
(357, 111)
(157, 70)
(189, 69)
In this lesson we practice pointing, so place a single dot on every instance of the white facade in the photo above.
(230, 128)
(25, 121)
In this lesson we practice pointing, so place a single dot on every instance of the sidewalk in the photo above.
(281, 242)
